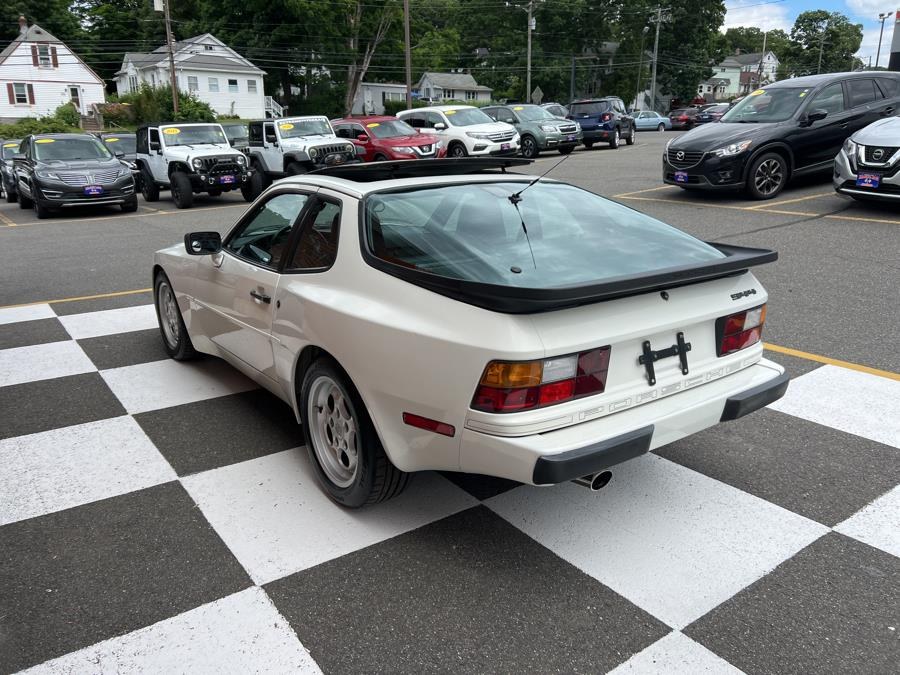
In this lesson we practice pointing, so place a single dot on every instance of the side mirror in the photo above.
(816, 115)
(154, 146)
(202, 243)
(271, 138)
(362, 138)
(440, 126)
(119, 154)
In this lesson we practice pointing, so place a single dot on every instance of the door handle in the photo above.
(261, 296)
(844, 125)
(889, 110)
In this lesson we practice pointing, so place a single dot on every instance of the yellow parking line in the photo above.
(832, 362)
(722, 206)
(6, 221)
(865, 219)
(638, 192)
(51, 221)
(765, 205)
(116, 294)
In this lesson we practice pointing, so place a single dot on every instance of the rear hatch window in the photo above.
(591, 109)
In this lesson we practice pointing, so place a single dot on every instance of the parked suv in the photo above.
(289, 146)
(684, 118)
(603, 119)
(379, 138)
(8, 148)
(465, 129)
(868, 165)
(538, 128)
(55, 171)
(786, 129)
(188, 159)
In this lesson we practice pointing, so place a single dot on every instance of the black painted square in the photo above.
(27, 333)
(124, 349)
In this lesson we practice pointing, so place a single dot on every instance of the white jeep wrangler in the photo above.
(293, 145)
(189, 158)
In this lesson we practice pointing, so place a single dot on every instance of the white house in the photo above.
(452, 87)
(724, 83)
(209, 69)
(750, 63)
(372, 96)
(38, 73)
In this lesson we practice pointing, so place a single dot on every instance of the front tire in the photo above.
(40, 210)
(767, 176)
(25, 202)
(614, 141)
(130, 206)
(530, 148)
(295, 169)
(176, 340)
(344, 449)
(149, 188)
(567, 150)
(182, 192)
(259, 181)
(457, 150)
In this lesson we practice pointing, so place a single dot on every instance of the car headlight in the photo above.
(733, 149)
(350, 149)
(197, 163)
(850, 148)
(479, 135)
(47, 174)
(404, 150)
(312, 152)
(240, 159)
(549, 127)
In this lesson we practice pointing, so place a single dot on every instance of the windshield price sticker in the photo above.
(758, 92)
(286, 126)
(10, 145)
(45, 140)
(518, 107)
(111, 140)
(171, 131)
(372, 125)
(450, 112)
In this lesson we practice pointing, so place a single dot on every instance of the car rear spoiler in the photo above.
(516, 300)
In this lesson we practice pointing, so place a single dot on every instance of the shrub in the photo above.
(41, 125)
(152, 105)
(118, 114)
(68, 114)
(393, 107)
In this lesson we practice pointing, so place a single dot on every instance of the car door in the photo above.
(861, 95)
(887, 105)
(627, 121)
(235, 288)
(24, 168)
(820, 141)
(155, 159)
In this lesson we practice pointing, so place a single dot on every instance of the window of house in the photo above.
(132, 83)
(251, 86)
(471, 95)
(44, 56)
(153, 79)
(193, 85)
(233, 86)
(20, 92)
(208, 48)
(214, 84)
(449, 93)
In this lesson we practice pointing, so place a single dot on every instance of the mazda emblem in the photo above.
(679, 155)
(878, 154)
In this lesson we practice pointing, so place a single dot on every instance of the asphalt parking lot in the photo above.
(160, 516)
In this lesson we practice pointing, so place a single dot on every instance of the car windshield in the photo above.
(466, 117)
(47, 149)
(586, 109)
(390, 129)
(532, 113)
(125, 144)
(299, 128)
(194, 135)
(473, 232)
(9, 148)
(236, 131)
(767, 105)
(722, 107)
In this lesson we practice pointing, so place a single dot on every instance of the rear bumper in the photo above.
(582, 449)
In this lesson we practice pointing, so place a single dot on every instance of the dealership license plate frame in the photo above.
(681, 176)
(869, 180)
(93, 190)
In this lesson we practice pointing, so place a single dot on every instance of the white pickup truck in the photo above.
(293, 145)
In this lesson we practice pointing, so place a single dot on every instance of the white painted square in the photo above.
(110, 321)
(858, 403)
(162, 384)
(62, 468)
(43, 362)
(674, 542)
(241, 633)
(878, 524)
(276, 520)
(676, 653)
(26, 313)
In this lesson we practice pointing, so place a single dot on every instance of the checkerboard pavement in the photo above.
(158, 516)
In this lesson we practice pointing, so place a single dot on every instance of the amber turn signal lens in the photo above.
(503, 375)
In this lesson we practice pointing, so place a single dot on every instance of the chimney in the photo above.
(23, 24)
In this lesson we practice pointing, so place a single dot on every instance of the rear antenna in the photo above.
(516, 197)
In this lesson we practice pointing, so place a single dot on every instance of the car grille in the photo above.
(885, 154)
(94, 178)
(686, 159)
(567, 129)
(331, 149)
(221, 166)
(502, 136)
(424, 150)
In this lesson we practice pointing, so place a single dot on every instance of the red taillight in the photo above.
(512, 387)
(606, 117)
(739, 331)
(683, 118)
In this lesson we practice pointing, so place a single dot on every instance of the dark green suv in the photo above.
(538, 129)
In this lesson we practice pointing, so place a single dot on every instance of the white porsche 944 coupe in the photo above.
(450, 315)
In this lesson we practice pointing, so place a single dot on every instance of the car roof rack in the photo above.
(419, 168)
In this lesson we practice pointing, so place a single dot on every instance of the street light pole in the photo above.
(637, 85)
(171, 59)
(657, 20)
(882, 17)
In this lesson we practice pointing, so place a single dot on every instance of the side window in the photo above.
(861, 92)
(414, 121)
(154, 135)
(141, 142)
(505, 115)
(433, 118)
(269, 131)
(890, 86)
(317, 247)
(342, 130)
(490, 112)
(356, 130)
(830, 99)
(256, 134)
(263, 236)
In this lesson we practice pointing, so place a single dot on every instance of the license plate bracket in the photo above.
(504, 146)
(648, 357)
(226, 180)
(93, 190)
(681, 177)
(868, 180)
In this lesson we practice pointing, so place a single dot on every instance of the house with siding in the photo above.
(38, 73)
(440, 87)
(372, 96)
(206, 67)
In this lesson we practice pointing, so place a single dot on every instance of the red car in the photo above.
(382, 138)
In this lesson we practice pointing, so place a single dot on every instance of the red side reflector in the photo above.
(428, 424)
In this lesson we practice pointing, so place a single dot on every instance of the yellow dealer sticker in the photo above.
(111, 140)
(518, 107)
(449, 112)
(758, 92)
(45, 140)
(286, 126)
(372, 125)
(171, 131)
(10, 145)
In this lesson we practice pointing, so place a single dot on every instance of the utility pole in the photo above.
(881, 17)
(822, 47)
(528, 67)
(637, 85)
(761, 57)
(408, 56)
(171, 59)
(657, 21)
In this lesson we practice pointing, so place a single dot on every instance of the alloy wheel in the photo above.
(768, 177)
(334, 429)
(168, 314)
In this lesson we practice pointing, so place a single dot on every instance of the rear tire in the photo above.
(344, 449)
(661, 127)
(629, 139)
(176, 340)
(130, 206)
(614, 141)
(149, 188)
(379, 158)
(182, 192)
(589, 144)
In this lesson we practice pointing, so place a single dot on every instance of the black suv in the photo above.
(603, 119)
(62, 170)
(786, 129)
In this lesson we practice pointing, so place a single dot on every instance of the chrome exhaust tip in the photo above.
(594, 481)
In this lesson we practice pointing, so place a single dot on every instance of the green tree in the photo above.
(823, 42)
(54, 15)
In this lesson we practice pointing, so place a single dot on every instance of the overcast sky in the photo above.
(768, 14)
